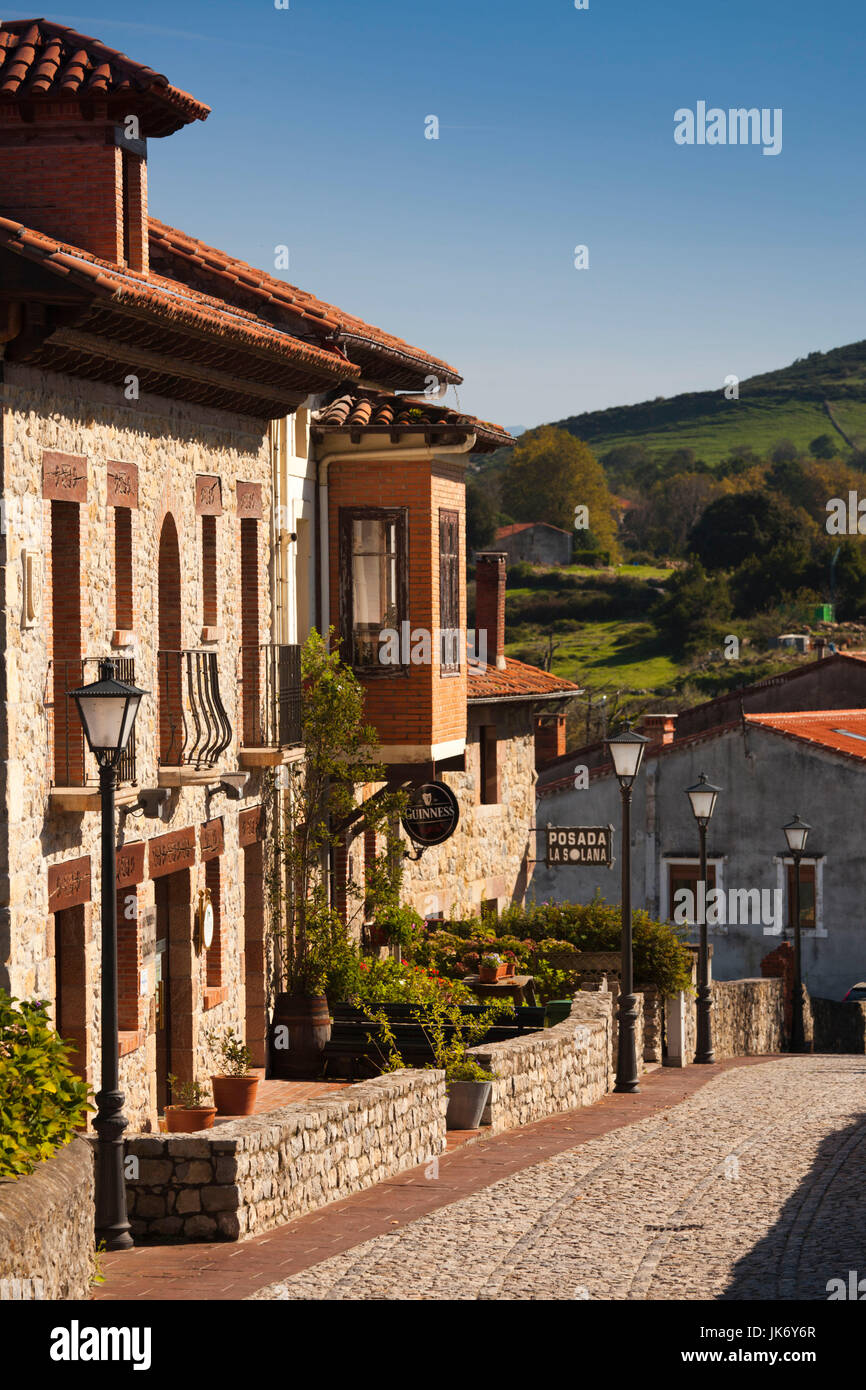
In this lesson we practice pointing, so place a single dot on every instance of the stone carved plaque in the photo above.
(130, 864)
(211, 839)
(250, 500)
(208, 495)
(122, 484)
(64, 477)
(251, 826)
(166, 854)
(69, 883)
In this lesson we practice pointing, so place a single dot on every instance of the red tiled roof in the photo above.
(206, 261)
(842, 730)
(43, 61)
(174, 302)
(517, 681)
(370, 412)
(516, 526)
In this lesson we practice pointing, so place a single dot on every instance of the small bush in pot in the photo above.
(189, 1112)
(235, 1088)
(492, 969)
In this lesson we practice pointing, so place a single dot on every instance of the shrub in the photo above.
(660, 958)
(41, 1099)
(390, 981)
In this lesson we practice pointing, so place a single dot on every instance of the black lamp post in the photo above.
(797, 833)
(703, 798)
(107, 711)
(626, 751)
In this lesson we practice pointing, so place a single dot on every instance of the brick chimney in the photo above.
(74, 123)
(80, 181)
(658, 728)
(549, 738)
(490, 606)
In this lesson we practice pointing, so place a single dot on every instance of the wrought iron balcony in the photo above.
(194, 728)
(270, 683)
(73, 765)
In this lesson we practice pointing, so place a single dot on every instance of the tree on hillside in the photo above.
(481, 514)
(823, 447)
(736, 527)
(693, 610)
(550, 473)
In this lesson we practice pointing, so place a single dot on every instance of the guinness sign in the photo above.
(432, 814)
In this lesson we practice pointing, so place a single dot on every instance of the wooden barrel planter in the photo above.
(300, 1028)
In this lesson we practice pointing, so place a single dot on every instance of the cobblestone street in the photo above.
(750, 1188)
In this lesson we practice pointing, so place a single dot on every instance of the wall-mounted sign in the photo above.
(579, 844)
(432, 814)
(204, 921)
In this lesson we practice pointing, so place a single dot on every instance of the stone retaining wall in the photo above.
(556, 1069)
(249, 1175)
(839, 1027)
(748, 1018)
(46, 1228)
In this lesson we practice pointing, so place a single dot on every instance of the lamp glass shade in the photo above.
(703, 798)
(107, 710)
(796, 833)
(626, 751)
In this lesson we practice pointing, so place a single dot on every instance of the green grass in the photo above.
(625, 655)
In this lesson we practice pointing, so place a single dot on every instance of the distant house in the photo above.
(536, 542)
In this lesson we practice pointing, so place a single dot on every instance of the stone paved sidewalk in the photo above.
(238, 1270)
(750, 1189)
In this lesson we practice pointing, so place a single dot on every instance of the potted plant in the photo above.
(510, 964)
(235, 1088)
(492, 969)
(469, 1087)
(189, 1113)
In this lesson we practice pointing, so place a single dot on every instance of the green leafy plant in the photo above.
(188, 1095)
(390, 981)
(449, 1032)
(42, 1101)
(230, 1051)
(491, 961)
(339, 759)
(98, 1274)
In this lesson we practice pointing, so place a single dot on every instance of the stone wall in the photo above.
(747, 1021)
(839, 1027)
(168, 444)
(748, 1018)
(46, 1228)
(249, 1175)
(486, 859)
(559, 1068)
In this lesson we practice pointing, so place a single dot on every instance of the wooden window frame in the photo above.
(449, 590)
(347, 516)
(808, 876)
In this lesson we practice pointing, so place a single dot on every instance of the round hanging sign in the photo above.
(432, 814)
(207, 926)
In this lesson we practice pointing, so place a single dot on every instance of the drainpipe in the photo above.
(365, 455)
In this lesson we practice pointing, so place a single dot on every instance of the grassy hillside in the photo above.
(824, 393)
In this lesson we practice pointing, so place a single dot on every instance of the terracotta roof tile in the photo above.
(842, 730)
(518, 681)
(170, 300)
(40, 60)
(358, 411)
(279, 294)
(504, 531)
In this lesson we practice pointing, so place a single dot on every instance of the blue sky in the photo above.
(556, 129)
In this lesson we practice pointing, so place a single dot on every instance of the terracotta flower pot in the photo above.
(488, 974)
(179, 1120)
(509, 969)
(235, 1095)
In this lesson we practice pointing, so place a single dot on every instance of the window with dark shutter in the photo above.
(489, 765)
(449, 592)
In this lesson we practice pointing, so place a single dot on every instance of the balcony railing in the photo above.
(270, 682)
(73, 763)
(194, 729)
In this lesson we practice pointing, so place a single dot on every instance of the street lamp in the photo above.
(703, 798)
(626, 751)
(107, 711)
(797, 833)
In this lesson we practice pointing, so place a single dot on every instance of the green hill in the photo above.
(824, 393)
